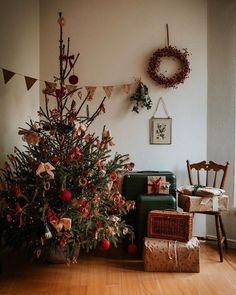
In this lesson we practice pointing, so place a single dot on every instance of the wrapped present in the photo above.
(158, 185)
(200, 204)
(201, 191)
(171, 256)
(171, 225)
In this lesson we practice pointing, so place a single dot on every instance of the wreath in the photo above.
(177, 78)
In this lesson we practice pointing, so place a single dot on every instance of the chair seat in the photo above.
(201, 204)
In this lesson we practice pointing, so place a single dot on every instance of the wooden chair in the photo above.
(215, 175)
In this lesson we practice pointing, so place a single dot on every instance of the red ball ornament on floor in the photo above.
(132, 249)
(65, 195)
(105, 245)
(73, 79)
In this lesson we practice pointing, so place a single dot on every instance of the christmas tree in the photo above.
(62, 190)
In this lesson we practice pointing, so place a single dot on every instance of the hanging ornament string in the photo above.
(161, 100)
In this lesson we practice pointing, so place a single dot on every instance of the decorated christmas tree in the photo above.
(62, 190)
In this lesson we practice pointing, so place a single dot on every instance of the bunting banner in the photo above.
(50, 87)
(7, 75)
(91, 91)
(108, 90)
(29, 81)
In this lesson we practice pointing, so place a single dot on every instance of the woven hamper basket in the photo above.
(170, 225)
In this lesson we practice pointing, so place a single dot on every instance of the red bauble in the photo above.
(73, 79)
(132, 249)
(55, 159)
(65, 195)
(105, 245)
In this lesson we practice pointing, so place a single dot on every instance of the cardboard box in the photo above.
(197, 204)
(171, 256)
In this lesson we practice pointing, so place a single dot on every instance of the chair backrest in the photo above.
(211, 169)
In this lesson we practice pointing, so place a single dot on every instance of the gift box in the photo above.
(158, 185)
(171, 225)
(171, 256)
(202, 204)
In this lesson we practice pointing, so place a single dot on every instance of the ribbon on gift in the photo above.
(60, 223)
(155, 184)
(106, 139)
(45, 167)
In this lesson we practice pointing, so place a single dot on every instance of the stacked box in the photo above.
(202, 204)
(170, 246)
(171, 256)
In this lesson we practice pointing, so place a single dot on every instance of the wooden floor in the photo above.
(105, 276)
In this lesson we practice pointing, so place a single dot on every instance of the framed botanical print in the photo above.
(160, 130)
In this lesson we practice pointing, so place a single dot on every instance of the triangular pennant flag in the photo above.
(108, 90)
(29, 82)
(7, 75)
(127, 88)
(71, 88)
(91, 90)
(50, 87)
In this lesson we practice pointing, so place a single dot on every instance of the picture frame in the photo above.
(160, 130)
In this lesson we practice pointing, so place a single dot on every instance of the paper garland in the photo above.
(51, 86)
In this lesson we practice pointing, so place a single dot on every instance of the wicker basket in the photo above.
(170, 225)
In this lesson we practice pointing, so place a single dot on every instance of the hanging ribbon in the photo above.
(62, 222)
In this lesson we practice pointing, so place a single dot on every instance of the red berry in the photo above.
(73, 79)
(65, 195)
(132, 249)
(104, 245)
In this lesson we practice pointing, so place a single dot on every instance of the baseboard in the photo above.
(231, 242)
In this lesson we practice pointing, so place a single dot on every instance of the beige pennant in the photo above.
(71, 88)
(29, 81)
(91, 91)
(7, 75)
(127, 88)
(50, 87)
(108, 90)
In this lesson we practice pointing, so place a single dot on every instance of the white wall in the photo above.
(221, 96)
(19, 35)
(116, 39)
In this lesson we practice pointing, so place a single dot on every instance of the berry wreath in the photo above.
(177, 78)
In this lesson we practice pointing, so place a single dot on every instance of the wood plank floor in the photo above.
(94, 275)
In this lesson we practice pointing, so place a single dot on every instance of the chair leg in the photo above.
(223, 231)
(219, 237)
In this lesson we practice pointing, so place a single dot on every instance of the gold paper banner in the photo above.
(7, 75)
(108, 90)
